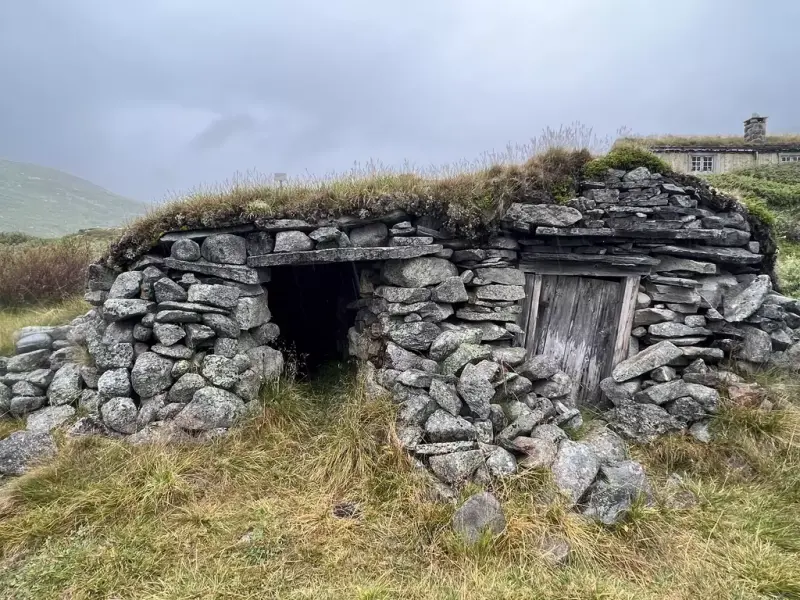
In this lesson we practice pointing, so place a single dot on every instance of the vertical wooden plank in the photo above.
(630, 290)
(530, 311)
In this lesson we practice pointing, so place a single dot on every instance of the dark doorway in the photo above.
(309, 304)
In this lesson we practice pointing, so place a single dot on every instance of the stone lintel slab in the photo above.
(605, 259)
(238, 273)
(334, 255)
(194, 234)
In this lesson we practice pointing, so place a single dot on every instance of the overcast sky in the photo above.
(146, 96)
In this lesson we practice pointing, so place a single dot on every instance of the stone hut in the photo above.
(623, 300)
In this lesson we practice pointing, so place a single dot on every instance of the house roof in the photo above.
(719, 143)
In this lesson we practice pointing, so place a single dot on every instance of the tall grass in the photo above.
(12, 319)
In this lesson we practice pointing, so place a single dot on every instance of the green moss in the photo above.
(625, 157)
(759, 209)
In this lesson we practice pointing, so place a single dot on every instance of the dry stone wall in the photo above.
(183, 341)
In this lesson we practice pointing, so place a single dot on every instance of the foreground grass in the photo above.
(250, 516)
(59, 313)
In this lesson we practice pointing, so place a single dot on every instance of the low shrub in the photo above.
(41, 273)
(774, 193)
(626, 157)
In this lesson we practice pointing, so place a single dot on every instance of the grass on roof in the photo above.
(701, 141)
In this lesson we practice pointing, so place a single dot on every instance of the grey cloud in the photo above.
(158, 94)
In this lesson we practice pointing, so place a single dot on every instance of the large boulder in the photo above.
(66, 385)
(126, 285)
(553, 215)
(457, 467)
(574, 469)
(615, 491)
(642, 423)
(645, 361)
(151, 374)
(120, 414)
(481, 513)
(748, 301)
(418, 272)
(22, 449)
(210, 408)
(224, 248)
(47, 419)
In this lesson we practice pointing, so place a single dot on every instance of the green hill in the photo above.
(46, 202)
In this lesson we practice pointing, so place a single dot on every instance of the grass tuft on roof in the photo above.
(709, 141)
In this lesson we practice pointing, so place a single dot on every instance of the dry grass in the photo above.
(249, 516)
(710, 141)
(58, 313)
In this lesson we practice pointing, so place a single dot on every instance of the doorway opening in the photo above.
(309, 304)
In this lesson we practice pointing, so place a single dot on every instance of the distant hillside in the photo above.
(46, 202)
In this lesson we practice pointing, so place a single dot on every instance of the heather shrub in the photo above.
(41, 273)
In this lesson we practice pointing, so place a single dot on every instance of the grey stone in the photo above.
(402, 294)
(169, 411)
(223, 326)
(662, 392)
(756, 346)
(450, 290)
(686, 410)
(748, 301)
(219, 371)
(614, 493)
(5, 399)
(402, 360)
(445, 396)
(266, 334)
(292, 241)
(224, 248)
(47, 419)
(606, 445)
(706, 396)
(650, 358)
(369, 236)
(185, 249)
(663, 374)
(415, 408)
(499, 461)
(242, 362)
(650, 316)
(514, 388)
(553, 215)
(141, 333)
(642, 423)
(227, 347)
(415, 378)
(168, 333)
(480, 514)
(409, 439)
(441, 426)
(548, 432)
(180, 368)
(238, 273)
(223, 296)
(700, 432)
(480, 313)
(411, 241)
(252, 312)
(23, 449)
(66, 385)
(22, 405)
(148, 411)
(29, 361)
(267, 362)
(176, 351)
(509, 356)
(449, 341)
(672, 263)
(119, 309)
(151, 374)
(259, 243)
(25, 388)
(503, 276)
(464, 355)
(114, 382)
(248, 385)
(457, 467)
(560, 385)
(197, 334)
(642, 300)
(120, 414)
(694, 321)
(505, 293)
(167, 290)
(414, 336)
(66, 355)
(674, 330)
(33, 341)
(330, 237)
(90, 426)
(539, 453)
(418, 272)
(476, 389)
(210, 408)
(574, 469)
(126, 285)
(539, 367)
(89, 401)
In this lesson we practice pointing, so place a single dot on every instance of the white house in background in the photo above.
(720, 154)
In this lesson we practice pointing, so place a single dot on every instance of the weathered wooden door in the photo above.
(582, 322)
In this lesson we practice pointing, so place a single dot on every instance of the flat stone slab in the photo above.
(606, 259)
(238, 273)
(174, 236)
(334, 255)
(735, 256)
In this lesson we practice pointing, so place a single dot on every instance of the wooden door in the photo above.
(582, 322)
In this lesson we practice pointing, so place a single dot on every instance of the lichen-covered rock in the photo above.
(151, 374)
(662, 392)
(560, 385)
(210, 408)
(185, 249)
(224, 248)
(402, 360)
(481, 513)
(403, 295)
(538, 367)
(183, 390)
(748, 301)
(196, 334)
(756, 346)
(169, 333)
(619, 393)
(219, 371)
(126, 285)
(448, 341)
(613, 494)
(267, 362)
(23, 449)
(259, 243)
(475, 388)
(118, 309)
(464, 355)
(511, 357)
(292, 241)
(446, 396)
(499, 292)
(66, 385)
(414, 336)
(371, 235)
(120, 414)
(574, 469)
(441, 426)
(112, 356)
(167, 290)
(648, 359)
(457, 467)
(23, 405)
(554, 215)
(450, 290)
(114, 382)
(499, 461)
(538, 453)
(251, 312)
(606, 445)
(418, 272)
(642, 423)
(47, 419)
(223, 296)
(176, 351)
(5, 399)
(29, 361)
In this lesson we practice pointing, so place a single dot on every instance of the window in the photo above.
(703, 164)
(790, 157)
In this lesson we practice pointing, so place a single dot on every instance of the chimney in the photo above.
(755, 130)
